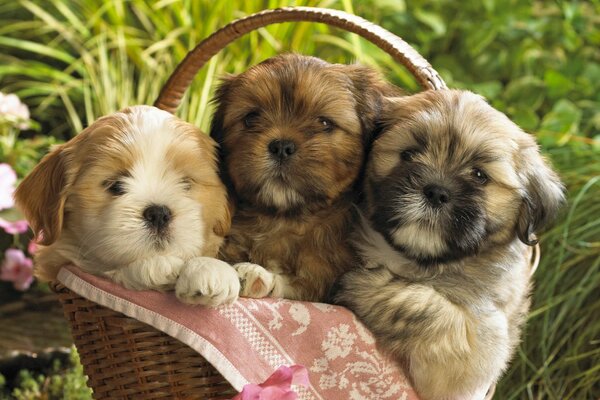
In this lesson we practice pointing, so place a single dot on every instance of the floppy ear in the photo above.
(41, 196)
(369, 90)
(544, 195)
(220, 101)
(224, 210)
(217, 128)
(223, 220)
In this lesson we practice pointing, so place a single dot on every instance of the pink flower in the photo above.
(17, 269)
(278, 386)
(12, 108)
(14, 227)
(32, 247)
(8, 178)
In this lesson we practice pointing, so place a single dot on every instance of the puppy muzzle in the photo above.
(436, 195)
(281, 149)
(157, 217)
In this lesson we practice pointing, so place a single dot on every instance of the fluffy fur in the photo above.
(136, 197)
(454, 194)
(293, 132)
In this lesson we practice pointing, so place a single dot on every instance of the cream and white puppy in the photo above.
(135, 197)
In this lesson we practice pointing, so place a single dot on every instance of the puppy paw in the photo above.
(255, 281)
(207, 281)
(157, 273)
(167, 271)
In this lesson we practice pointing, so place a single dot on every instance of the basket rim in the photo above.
(177, 84)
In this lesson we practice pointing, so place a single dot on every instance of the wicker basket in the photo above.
(127, 359)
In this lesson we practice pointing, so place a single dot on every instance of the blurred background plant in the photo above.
(16, 267)
(536, 60)
(63, 379)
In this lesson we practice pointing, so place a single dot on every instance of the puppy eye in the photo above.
(187, 183)
(479, 176)
(116, 188)
(408, 155)
(326, 124)
(251, 119)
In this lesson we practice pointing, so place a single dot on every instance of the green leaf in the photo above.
(11, 215)
(489, 89)
(526, 92)
(36, 48)
(526, 119)
(558, 85)
(434, 21)
(563, 119)
(596, 143)
(478, 40)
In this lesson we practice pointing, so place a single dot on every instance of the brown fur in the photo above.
(293, 219)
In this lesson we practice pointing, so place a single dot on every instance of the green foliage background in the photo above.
(538, 61)
(60, 382)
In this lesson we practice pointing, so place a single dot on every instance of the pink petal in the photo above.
(282, 378)
(285, 376)
(275, 393)
(300, 375)
(32, 247)
(23, 284)
(277, 386)
(11, 104)
(8, 178)
(13, 256)
(250, 391)
(14, 227)
(17, 269)
(7, 174)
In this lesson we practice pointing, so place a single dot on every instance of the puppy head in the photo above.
(450, 176)
(293, 130)
(134, 184)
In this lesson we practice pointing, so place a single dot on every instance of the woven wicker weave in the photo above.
(127, 359)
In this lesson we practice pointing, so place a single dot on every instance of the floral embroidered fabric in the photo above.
(336, 349)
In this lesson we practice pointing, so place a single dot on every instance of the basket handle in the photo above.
(172, 92)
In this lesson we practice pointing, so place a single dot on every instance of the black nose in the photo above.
(157, 216)
(282, 149)
(436, 195)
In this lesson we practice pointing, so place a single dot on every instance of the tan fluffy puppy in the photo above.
(293, 132)
(455, 193)
(135, 197)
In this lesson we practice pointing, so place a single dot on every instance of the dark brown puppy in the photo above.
(293, 132)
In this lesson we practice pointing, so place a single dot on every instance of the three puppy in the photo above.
(454, 194)
(136, 197)
(293, 132)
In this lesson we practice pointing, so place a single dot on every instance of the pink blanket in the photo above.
(250, 339)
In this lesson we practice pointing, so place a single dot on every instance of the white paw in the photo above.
(158, 273)
(166, 271)
(207, 281)
(256, 281)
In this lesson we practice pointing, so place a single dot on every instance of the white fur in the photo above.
(279, 195)
(257, 282)
(159, 272)
(152, 180)
(207, 281)
(419, 239)
(376, 251)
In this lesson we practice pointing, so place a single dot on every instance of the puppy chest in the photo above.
(284, 250)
